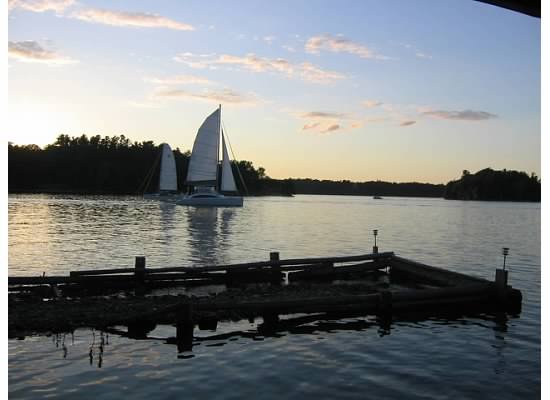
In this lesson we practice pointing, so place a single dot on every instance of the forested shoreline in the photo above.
(117, 165)
(490, 185)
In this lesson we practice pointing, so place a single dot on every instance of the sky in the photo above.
(360, 90)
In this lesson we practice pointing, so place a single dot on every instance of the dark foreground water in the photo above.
(463, 357)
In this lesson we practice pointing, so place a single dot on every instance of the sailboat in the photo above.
(168, 183)
(202, 172)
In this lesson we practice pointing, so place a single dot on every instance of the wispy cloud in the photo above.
(289, 48)
(331, 128)
(339, 44)
(371, 103)
(269, 39)
(311, 73)
(226, 96)
(132, 19)
(407, 123)
(257, 64)
(418, 53)
(41, 5)
(322, 115)
(305, 71)
(466, 115)
(314, 125)
(31, 51)
(325, 122)
(197, 61)
(180, 80)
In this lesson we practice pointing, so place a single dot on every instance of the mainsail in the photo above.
(228, 182)
(168, 175)
(203, 164)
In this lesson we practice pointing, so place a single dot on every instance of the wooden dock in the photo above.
(387, 285)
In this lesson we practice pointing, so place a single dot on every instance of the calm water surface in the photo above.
(468, 357)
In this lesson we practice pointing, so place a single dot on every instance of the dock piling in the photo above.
(184, 328)
(139, 272)
(501, 281)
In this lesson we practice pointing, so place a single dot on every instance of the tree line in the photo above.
(103, 165)
(488, 184)
(117, 165)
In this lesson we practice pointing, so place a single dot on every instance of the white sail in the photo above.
(228, 182)
(168, 176)
(203, 164)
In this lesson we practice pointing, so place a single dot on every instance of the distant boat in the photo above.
(377, 198)
(202, 172)
(168, 179)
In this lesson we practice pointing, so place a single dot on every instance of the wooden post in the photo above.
(184, 328)
(274, 256)
(139, 271)
(276, 274)
(501, 282)
(385, 302)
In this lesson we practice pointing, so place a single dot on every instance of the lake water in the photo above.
(494, 357)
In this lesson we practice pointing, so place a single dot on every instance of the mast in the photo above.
(218, 183)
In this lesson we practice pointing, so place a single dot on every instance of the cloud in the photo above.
(179, 80)
(338, 44)
(420, 54)
(289, 48)
(407, 123)
(311, 126)
(305, 71)
(31, 51)
(197, 61)
(466, 115)
(325, 122)
(371, 103)
(226, 96)
(133, 19)
(311, 73)
(269, 39)
(331, 128)
(257, 64)
(322, 115)
(41, 5)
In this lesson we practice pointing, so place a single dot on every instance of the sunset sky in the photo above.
(359, 90)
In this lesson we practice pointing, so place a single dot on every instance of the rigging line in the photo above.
(235, 158)
(147, 180)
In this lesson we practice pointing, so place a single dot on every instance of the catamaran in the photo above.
(202, 173)
(168, 180)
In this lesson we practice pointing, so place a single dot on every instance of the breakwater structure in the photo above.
(378, 283)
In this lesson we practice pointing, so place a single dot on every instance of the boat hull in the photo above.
(218, 201)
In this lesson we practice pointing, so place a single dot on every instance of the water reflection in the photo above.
(272, 326)
(209, 233)
(500, 329)
(96, 349)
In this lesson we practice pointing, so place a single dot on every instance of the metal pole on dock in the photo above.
(501, 278)
(375, 247)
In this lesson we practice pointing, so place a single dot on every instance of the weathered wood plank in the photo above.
(427, 273)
